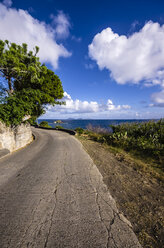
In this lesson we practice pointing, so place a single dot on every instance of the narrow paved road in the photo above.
(52, 195)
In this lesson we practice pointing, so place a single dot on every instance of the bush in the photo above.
(59, 127)
(79, 130)
(44, 124)
(145, 139)
(94, 136)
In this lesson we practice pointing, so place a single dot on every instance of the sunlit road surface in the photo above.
(52, 195)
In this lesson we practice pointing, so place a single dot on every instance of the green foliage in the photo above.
(79, 130)
(44, 124)
(147, 138)
(59, 127)
(26, 84)
(143, 139)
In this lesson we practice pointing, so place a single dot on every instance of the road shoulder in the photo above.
(139, 197)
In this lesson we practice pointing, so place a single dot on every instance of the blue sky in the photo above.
(108, 54)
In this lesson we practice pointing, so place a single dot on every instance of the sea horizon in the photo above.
(71, 123)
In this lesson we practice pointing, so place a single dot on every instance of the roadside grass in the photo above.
(135, 180)
(142, 142)
(140, 163)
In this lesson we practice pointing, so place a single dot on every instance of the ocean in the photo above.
(72, 124)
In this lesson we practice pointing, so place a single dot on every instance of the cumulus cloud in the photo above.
(111, 106)
(20, 27)
(73, 106)
(130, 59)
(62, 25)
(158, 99)
(78, 106)
(134, 59)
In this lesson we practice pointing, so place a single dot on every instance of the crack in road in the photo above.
(115, 213)
(96, 190)
(110, 236)
(99, 209)
(52, 214)
(63, 200)
(34, 211)
(110, 233)
(28, 228)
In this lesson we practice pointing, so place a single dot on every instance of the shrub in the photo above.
(59, 127)
(145, 138)
(44, 124)
(79, 130)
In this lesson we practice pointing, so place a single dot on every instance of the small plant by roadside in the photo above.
(44, 124)
(79, 130)
(59, 127)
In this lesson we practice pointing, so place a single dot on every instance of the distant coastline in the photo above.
(83, 123)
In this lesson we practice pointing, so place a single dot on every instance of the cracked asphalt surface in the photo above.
(53, 196)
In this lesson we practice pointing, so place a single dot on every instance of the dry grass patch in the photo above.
(136, 187)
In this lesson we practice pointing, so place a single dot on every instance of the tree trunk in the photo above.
(10, 86)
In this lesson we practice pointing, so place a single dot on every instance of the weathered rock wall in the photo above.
(15, 138)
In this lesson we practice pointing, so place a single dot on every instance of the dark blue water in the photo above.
(72, 124)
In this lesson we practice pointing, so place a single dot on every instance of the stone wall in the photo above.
(15, 138)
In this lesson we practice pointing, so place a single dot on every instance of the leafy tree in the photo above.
(27, 86)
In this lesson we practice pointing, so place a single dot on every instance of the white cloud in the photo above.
(134, 59)
(158, 99)
(111, 106)
(7, 3)
(131, 59)
(20, 27)
(78, 106)
(62, 25)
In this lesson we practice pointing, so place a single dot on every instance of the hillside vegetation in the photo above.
(131, 161)
(143, 141)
